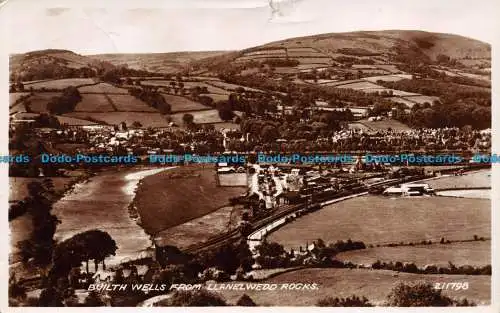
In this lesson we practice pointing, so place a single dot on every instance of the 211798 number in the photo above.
(452, 286)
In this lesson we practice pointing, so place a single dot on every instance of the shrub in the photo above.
(353, 301)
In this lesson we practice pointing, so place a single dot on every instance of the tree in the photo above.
(195, 298)
(136, 124)
(50, 297)
(188, 118)
(245, 300)
(420, 294)
(93, 300)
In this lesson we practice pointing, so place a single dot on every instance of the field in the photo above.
(180, 104)
(200, 229)
(231, 87)
(130, 103)
(422, 99)
(187, 85)
(381, 220)
(476, 179)
(162, 206)
(71, 121)
(477, 253)
(103, 88)
(226, 125)
(217, 97)
(38, 102)
(60, 83)
(20, 107)
(200, 117)
(233, 179)
(94, 103)
(387, 78)
(15, 96)
(409, 103)
(374, 285)
(114, 118)
(384, 124)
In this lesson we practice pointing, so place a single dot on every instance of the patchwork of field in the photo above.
(147, 119)
(475, 253)
(130, 103)
(38, 102)
(374, 285)
(181, 104)
(60, 83)
(200, 117)
(94, 103)
(103, 88)
(382, 220)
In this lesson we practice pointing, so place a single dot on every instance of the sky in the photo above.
(87, 27)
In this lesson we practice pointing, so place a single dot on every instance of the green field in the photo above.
(103, 88)
(476, 253)
(94, 103)
(179, 104)
(372, 284)
(176, 196)
(60, 83)
(130, 103)
(382, 220)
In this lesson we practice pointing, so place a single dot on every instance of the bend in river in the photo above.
(102, 203)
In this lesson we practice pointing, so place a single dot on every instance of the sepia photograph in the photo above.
(250, 153)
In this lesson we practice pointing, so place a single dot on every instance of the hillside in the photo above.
(425, 79)
(364, 47)
(53, 63)
(156, 62)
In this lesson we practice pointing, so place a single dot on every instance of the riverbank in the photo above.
(102, 203)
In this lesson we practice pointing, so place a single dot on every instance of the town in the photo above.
(290, 163)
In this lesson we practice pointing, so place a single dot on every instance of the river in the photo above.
(102, 203)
